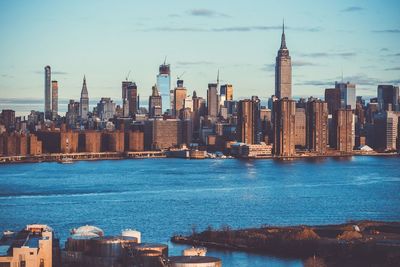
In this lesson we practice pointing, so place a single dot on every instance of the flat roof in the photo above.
(193, 259)
(4, 250)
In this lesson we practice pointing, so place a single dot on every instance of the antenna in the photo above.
(218, 77)
(165, 60)
(127, 76)
(180, 76)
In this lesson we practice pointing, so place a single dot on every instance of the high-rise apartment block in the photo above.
(343, 130)
(47, 92)
(54, 99)
(284, 114)
(248, 128)
(317, 126)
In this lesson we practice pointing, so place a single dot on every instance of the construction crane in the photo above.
(180, 76)
(127, 76)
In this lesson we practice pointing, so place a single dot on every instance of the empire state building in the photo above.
(283, 70)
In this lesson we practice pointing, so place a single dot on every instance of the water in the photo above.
(161, 197)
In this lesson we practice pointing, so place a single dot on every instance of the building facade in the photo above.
(54, 99)
(84, 102)
(317, 126)
(283, 70)
(284, 114)
(248, 125)
(47, 92)
(164, 86)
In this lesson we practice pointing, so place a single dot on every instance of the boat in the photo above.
(65, 161)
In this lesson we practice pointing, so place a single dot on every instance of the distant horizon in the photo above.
(358, 39)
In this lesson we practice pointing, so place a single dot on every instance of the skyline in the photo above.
(244, 48)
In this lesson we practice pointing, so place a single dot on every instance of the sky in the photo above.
(104, 40)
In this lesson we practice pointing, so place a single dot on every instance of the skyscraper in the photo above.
(248, 125)
(388, 96)
(284, 114)
(54, 99)
(155, 103)
(332, 97)
(227, 91)
(343, 130)
(347, 94)
(212, 100)
(84, 102)
(164, 86)
(132, 96)
(179, 97)
(47, 92)
(317, 126)
(283, 70)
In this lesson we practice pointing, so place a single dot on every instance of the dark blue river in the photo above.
(162, 197)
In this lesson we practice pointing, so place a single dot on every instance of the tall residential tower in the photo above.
(47, 92)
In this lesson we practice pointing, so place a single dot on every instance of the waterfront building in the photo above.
(35, 145)
(284, 114)
(59, 141)
(300, 128)
(162, 134)
(283, 70)
(84, 102)
(248, 125)
(136, 141)
(54, 100)
(332, 98)
(242, 150)
(133, 99)
(212, 100)
(179, 98)
(317, 126)
(47, 92)
(31, 247)
(164, 86)
(226, 90)
(343, 130)
(388, 98)
(113, 141)
(155, 103)
(89, 141)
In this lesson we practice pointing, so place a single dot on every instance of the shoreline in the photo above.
(355, 243)
(72, 157)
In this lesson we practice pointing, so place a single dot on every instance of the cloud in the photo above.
(359, 80)
(301, 63)
(396, 55)
(203, 12)
(268, 67)
(192, 63)
(232, 29)
(395, 68)
(326, 54)
(387, 31)
(352, 9)
(384, 49)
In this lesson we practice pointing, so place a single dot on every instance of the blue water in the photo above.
(161, 197)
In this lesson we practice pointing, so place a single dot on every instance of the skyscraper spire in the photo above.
(283, 40)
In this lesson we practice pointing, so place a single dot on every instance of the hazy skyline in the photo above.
(105, 40)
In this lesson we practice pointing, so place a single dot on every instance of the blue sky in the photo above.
(106, 39)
